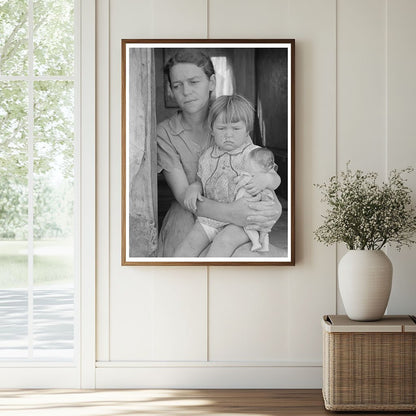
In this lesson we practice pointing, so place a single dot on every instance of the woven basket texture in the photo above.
(369, 371)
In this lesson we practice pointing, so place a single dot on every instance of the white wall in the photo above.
(255, 326)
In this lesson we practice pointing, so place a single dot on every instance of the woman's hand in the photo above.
(240, 210)
(264, 215)
(250, 212)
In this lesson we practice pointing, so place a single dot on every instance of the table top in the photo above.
(389, 323)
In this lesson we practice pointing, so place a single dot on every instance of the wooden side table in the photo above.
(369, 366)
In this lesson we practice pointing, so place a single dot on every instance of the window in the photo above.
(225, 84)
(38, 185)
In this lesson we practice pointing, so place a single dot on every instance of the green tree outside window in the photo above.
(36, 60)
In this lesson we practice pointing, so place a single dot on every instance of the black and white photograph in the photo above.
(208, 152)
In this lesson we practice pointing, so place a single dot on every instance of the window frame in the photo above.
(81, 371)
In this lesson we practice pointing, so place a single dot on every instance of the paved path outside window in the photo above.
(53, 324)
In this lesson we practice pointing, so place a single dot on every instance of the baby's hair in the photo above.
(232, 109)
(190, 56)
(264, 157)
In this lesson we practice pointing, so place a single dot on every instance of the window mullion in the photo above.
(30, 178)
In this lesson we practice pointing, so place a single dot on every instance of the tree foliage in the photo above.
(13, 208)
(13, 37)
(52, 118)
(53, 37)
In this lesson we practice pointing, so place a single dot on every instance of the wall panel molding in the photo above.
(210, 377)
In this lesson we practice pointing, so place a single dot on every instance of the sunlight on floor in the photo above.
(114, 403)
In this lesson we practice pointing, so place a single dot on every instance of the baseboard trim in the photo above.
(204, 364)
(210, 377)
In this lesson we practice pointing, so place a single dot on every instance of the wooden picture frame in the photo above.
(261, 71)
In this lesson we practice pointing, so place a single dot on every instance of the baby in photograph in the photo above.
(228, 170)
(259, 160)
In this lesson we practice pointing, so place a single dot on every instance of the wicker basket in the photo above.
(369, 366)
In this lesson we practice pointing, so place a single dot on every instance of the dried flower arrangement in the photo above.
(366, 215)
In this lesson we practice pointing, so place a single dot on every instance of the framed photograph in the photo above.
(208, 152)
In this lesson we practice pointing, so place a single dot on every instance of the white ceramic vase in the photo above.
(364, 278)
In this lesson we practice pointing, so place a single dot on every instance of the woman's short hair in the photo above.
(190, 56)
(232, 109)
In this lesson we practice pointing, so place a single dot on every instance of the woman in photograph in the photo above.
(181, 139)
